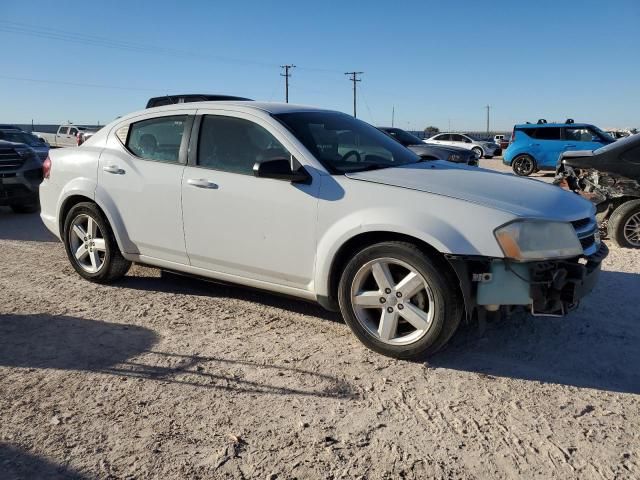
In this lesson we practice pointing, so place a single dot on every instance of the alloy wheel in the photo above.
(632, 230)
(523, 166)
(392, 301)
(87, 243)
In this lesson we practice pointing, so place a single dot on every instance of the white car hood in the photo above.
(522, 197)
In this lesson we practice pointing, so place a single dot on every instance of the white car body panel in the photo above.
(145, 199)
(280, 236)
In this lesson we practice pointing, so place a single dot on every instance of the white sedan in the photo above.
(480, 147)
(321, 206)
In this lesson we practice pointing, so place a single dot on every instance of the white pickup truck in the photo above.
(66, 136)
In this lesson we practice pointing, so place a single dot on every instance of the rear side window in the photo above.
(157, 139)
(63, 130)
(443, 138)
(234, 144)
(546, 133)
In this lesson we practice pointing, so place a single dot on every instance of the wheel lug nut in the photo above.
(400, 306)
(387, 291)
(383, 300)
(398, 294)
(390, 309)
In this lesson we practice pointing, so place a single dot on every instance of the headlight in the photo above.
(454, 157)
(529, 240)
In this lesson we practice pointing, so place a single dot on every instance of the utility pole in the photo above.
(354, 78)
(393, 115)
(488, 107)
(286, 76)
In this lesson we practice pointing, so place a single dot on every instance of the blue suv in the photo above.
(538, 146)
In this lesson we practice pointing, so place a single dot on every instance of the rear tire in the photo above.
(92, 248)
(624, 225)
(523, 165)
(398, 301)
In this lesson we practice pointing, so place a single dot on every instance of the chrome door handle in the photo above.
(113, 169)
(201, 183)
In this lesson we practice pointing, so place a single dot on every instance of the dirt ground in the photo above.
(174, 378)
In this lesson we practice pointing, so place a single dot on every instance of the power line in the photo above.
(286, 76)
(354, 78)
(76, 84)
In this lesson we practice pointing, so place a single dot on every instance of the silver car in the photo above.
(483, 148)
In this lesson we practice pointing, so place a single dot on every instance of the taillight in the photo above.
(513, 136)
(46, 167)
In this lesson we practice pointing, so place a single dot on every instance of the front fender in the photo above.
(435, 230)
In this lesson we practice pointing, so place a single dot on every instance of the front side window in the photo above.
(235, 145)
(73, 131)
(344, 144)
(581, 134)
(157, 139)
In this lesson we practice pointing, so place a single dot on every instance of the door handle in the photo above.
(201, 183)
(569, 145)
(113, 169)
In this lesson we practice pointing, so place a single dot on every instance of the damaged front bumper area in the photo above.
(550, 288)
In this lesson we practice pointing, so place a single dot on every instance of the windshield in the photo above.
(605, 135)
(20, 137)
(344, 144)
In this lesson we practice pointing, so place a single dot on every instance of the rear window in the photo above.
(157, 139)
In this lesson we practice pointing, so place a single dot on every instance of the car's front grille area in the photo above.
(10, 160)
(587, 230)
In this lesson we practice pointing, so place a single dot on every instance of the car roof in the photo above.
(269, 107)
(543, 125)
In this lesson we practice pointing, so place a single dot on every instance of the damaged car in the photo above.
(319, 205)
(610, 178)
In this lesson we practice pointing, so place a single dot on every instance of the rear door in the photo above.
(442, 139)
(547, 146)
(139, 179)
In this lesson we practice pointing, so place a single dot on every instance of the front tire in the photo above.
(478, 151)
(624, 225)
(91, 246)
(523, 165)
(398, 301)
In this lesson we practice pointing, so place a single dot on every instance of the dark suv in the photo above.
(20, 177)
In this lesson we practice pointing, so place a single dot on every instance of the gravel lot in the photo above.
(158, 377)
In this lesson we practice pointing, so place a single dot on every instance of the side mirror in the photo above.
(280, 169)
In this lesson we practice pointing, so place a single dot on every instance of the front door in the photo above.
(241, 225)
(139, 178)
(582, 138)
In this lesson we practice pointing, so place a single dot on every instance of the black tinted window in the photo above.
(547, 133)
(235, 145)
(158, 138)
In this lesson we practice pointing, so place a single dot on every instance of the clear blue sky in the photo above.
(438, 63)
